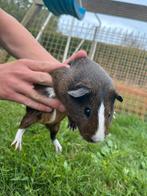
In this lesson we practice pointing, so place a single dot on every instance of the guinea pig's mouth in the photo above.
(94, 138)
(90, 140)
(87, 138)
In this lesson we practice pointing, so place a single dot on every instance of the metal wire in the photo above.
(121, 53)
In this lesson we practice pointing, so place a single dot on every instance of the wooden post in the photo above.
(30, 15)
(117, 8)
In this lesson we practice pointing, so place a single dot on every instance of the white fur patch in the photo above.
(53, 117)
(18, 139)
(50, 92)
(57, 145)
(100, 133)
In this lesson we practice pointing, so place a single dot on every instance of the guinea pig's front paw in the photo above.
(57, 145)
(72, 125)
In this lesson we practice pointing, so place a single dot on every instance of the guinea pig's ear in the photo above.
(80, 92)
(118, 97)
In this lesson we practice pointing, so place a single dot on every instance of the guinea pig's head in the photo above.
(91, 111)
(88, 94)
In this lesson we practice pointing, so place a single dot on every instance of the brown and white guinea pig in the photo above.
(88, 94)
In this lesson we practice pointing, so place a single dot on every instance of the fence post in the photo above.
(68, 42)
(43, 27)
(93, 45)
(94, 42)
(30, 15)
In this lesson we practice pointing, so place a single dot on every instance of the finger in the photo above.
(54, 103)
(31, 103)
(28, 91)
(43, 66)
(39, 78)
(79, 54)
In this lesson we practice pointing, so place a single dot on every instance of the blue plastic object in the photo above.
(69, 7)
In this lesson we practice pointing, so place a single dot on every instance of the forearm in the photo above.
(19, 42)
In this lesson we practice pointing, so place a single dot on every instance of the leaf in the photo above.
(105, 150)
(110, 143)
(67, 166)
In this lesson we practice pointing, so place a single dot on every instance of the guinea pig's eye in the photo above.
(87, 112)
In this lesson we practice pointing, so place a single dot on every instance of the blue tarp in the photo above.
(69, 7)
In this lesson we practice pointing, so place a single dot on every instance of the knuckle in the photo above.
(44, 78)
(23, 61)
(20, 67)
(35, 95)
(29, 103)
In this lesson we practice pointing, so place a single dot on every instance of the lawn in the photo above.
(117, 166)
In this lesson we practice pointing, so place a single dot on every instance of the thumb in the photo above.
(43, 66)
(79, 54)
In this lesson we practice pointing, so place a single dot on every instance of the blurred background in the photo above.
(114, 34)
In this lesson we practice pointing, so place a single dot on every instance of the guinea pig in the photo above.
(88, 94)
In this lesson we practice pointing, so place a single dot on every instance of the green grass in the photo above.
(117, 166)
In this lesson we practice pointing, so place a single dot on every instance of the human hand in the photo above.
(17, 81)
(79, 54)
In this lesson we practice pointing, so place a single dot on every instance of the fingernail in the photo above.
(61, 108)
(66, 65)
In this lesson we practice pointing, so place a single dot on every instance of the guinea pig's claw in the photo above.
(72, 125)
(17, 144)
(57, 145)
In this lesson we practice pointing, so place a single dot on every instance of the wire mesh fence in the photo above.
(123, 54)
